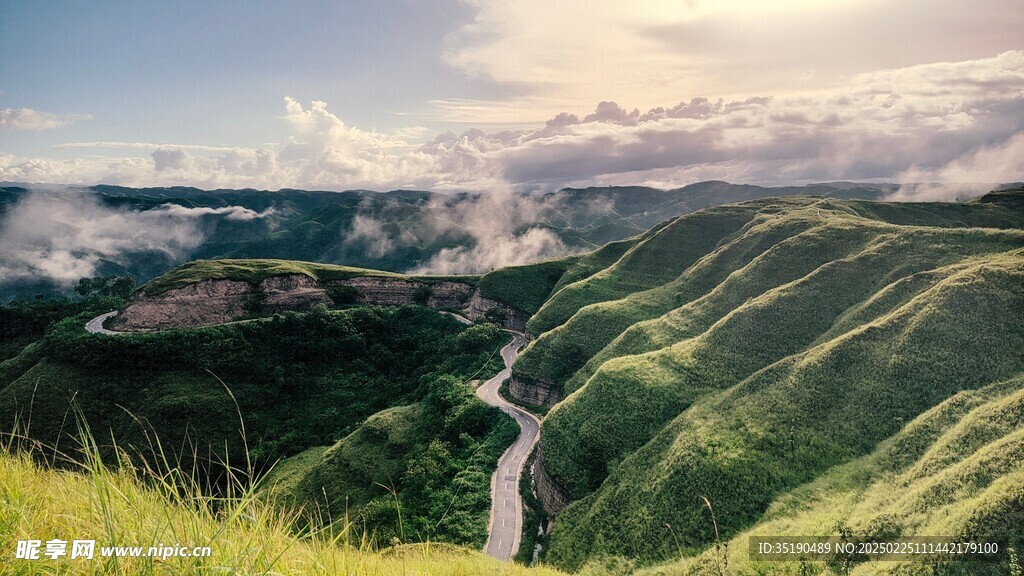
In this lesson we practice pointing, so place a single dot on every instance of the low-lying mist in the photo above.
(62, 236)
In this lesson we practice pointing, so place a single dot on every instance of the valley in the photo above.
(786, 365)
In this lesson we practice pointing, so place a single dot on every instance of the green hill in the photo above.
(742, 351)
(271, 389)
(799, 365)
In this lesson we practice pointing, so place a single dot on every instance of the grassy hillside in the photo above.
(742, 351)
(528, 287)
(245, 534)
(954, 470)
(296, 381)
(420, 471)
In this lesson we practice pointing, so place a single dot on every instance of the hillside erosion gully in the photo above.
(213, 302)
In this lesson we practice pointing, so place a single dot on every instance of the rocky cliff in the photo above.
(533, 392)
(218, 301)
(552, 497)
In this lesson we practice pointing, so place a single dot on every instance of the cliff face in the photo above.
(552, 497)
(533, 392)
(218, 301)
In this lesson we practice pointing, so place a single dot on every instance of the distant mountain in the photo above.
(399, 230)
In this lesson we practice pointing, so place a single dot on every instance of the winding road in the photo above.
(95, 326)
(506, 523)
(505, 527)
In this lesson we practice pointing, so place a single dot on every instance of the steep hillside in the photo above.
(741, 351)
(954, 470)
(256, 392)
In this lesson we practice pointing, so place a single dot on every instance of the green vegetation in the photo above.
(255, 271)
(23, 322)
(524, 287)
(299, 381)
(528, 287)
(110, 285)
(798, 366)
(955, 470)
(418, 472)
(246, 535)
(742, 351)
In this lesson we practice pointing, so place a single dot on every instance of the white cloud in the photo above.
(557, 56)
(36, 120)
(871, 126)
(237, 213)
(65, 235)
(970, 175)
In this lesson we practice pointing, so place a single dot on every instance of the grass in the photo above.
(955, 470)
(528, 287)
(254, 271)
(246, 534)
(302, 381)
(796, 336)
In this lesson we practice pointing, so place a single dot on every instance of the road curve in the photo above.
(95, 326)
(505, 527)
(506, 524)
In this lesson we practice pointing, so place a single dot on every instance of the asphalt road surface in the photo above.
(506, 524)
(95, 326)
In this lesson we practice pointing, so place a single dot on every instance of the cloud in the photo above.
(65, 235)
(871, 126)
(570, 54)
(236, 213)
(967, 176)
(488, 230)
(496, 251)
(28, 119)
(171, 159)
(371, 233)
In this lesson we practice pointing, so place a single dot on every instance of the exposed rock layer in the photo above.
(552, 497)
(219, 301)
(533, 392)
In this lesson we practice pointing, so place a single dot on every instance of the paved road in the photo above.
(506, 524)
(95, 325)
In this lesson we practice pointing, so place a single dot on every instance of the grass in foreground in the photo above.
(246, 535)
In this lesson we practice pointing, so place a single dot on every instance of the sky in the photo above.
(511, 95)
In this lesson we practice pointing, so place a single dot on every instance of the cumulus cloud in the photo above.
(883, 126)
(65, 235)
(36, 120)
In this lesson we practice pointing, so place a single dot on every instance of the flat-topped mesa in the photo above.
(218, 301)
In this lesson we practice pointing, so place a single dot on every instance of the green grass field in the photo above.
(744, 351)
